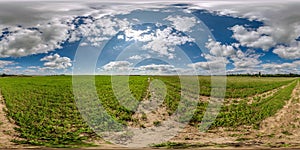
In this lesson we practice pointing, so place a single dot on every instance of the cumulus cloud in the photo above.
(259, 38)
(246, 60)
(125, 67)
(100, 30)
(217, 49)
(4, 63)
(120, 37)
(156, 67)
(40, 27)
(288, 52)
(282, 67)
(140, 57)
(162, 41)
(221, 54)
(136, 57)
(182, 23)
(117, 66)
(57, 62)
(209, 65)
(23, 42)
(32, 13)
(33, 70)
(281, 22)
(33, 67)
(36, 27)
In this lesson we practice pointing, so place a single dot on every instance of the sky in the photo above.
(153, 37)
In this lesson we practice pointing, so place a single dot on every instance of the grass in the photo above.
(236, 87)
(245, 114)
(45, 110)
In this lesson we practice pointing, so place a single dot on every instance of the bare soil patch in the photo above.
(7, 132)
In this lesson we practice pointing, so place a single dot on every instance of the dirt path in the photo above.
(280, 130)
(250, 99)
(285, 124)
(256, 97)
(152, 111)
(7, 132)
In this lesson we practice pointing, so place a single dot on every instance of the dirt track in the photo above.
(7, 132)
(280, 130)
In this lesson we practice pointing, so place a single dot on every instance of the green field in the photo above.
(44, 107)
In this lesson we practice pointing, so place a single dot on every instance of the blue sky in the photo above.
(199, 37)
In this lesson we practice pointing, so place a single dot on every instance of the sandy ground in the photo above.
(7, 132)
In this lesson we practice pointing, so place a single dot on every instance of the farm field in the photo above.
(45, 113)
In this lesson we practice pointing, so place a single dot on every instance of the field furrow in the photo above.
(46, 113)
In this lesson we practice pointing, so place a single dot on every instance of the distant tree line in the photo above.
(7, 75)
(238, 75)
(13, 75)
(265, 75)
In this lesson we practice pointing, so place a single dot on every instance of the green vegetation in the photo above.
(236, 87)
(45, 111)
(252, 114)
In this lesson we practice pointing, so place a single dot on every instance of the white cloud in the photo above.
(36, 27)
(217, 49)
(33, 67)
(282, 67)
(23, 42)
(246, 60)
(221, 54)
(101, 29)
(120, 37)
(136, 57)
(182, 23)
(138, 35)
(57, 62)
(290, 52)
(34, 70)
(117, 66)
(4, 63)
(140, 57)
(83, 44)
(209, 65)
(125, 67)
(281, 22)
(162, 41)
(156, 67)
(40, 27)
(259, 38)
(218, 57)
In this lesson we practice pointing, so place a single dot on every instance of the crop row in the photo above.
(46, 112)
